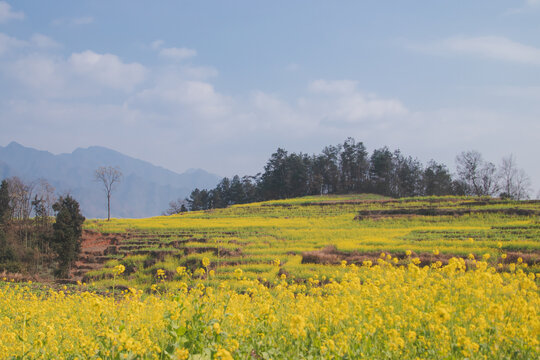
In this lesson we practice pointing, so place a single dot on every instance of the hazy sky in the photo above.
(219, 85)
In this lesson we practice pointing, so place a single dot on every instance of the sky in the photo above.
(220, 85)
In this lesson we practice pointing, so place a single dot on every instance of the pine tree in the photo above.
(66, 238)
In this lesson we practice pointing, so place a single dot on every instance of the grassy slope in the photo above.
(310, 235)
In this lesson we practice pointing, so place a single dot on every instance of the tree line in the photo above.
(349, 168)
(38, 230)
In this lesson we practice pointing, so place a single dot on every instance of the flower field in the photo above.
(346, 277)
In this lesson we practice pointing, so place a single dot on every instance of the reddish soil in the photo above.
(94, 249)
(331, 255)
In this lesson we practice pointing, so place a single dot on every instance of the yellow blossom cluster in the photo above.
(374, 311)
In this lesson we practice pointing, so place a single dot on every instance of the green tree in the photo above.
(381, 171)
(5, 209)
(67, 232)
(354, 166)
(437, 179)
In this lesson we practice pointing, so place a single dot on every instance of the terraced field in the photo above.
(307, 237)
(351, 277)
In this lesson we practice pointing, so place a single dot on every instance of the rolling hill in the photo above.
(145, 190)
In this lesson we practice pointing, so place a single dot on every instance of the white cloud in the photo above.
(8, 43)
(7, 14)
(177, 54)
(42, 74)
(172, 53)
(177, 97)
(533, 2)
(48, 76)
(85, 20)
(37, 42)
(341, 101)
(43, 41)
(75, 21)
(156, 44)
(335, 86)
(493, 47)
(107, 70)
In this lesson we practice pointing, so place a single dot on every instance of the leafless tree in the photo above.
(478, 175)
(110, 177)
(45, 197)
(514, 182)
(176, 207)
(20, 194)
(20, 198)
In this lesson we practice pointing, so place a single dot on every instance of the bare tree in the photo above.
(20, 194)
(110, 177)
(176, 207)
(515, 183)
(478, 175)
(522, 187)
(44, 198)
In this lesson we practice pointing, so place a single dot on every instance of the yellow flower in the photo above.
(471, 256)
(223, 354)
(436, 252)
(486, 256)
(276, 262)
(119, 269)
(408, 252)
(181, 270)
(205, 262)
(181, 354)
(216, 328)
(503, 256)
(519, 260)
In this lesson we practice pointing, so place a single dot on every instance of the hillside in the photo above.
(332, 277)
(145, 191)
(310, 235)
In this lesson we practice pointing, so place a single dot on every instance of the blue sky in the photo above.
(220, 85)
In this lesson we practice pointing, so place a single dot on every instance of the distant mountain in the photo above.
(145, 190)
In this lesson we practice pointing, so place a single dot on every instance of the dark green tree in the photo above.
(67, 232)
(5, 209)
(236, 191)
(274, 178)
(407, 179)
(381, 171)
(354, 166)
(437, 179)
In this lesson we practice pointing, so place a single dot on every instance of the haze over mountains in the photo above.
(145, 189)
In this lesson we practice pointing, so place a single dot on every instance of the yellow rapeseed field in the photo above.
(349, 277)
(377, 311)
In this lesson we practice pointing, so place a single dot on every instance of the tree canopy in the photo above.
(349, 168)
(66, 237)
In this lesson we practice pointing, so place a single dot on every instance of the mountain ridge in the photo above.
(145, 191)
